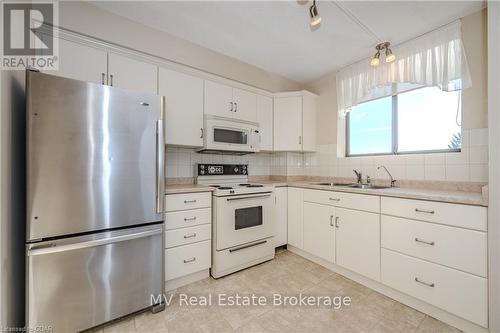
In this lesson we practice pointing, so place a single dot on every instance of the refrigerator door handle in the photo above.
(93, 243)
(160, 144)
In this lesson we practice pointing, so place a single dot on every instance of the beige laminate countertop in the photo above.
(457, 197)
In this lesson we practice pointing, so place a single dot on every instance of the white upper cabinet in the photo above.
(288, 123)
(225, 101)
(245, 105)
(128, 73)
(308, 122)
(218, 99)
(81, 62)
(319, 230)
(184, 107)
(265, 120)
(295, 121)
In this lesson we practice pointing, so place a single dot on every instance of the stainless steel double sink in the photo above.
(355, 185)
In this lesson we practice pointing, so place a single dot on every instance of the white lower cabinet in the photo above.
(433, 251)
(459, 293)
(319, 230)
(188, 234)
(358, 241)
(281, 214)
(295, 221)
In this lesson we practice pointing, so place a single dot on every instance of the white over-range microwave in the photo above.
(230, 135)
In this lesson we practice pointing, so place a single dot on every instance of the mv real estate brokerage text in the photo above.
(276, 299)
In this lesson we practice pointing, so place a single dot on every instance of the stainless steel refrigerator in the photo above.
(95, 178)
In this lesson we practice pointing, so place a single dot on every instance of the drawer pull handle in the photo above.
(424, 283)
(424, 211)
(189, 260)
(418, 240)
(334, 199)
(189, 201)
(190, 236)
(190, 218)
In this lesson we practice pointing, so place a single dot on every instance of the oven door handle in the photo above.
(250, 197)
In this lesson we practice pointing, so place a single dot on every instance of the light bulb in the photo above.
(315, 21)
(313, 12)
(375, 60)
(389, 56)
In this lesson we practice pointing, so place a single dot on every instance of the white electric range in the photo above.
(243, 218)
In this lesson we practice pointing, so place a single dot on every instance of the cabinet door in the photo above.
(132, 74)
(288, 123)
(265, 120)
(184, 107)
(358, 242)
(319, 230)
(281, 214)
(218, 99)
(295, 225)
(309, 123)
(245, 105)
(81, 62)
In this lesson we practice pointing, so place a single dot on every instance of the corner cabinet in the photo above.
(184, 107)
(295, 121)
(225, 101)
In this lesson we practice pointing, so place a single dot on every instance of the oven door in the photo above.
(243, 219)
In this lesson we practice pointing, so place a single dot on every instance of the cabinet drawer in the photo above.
(462, 294)
(369, 203)
(189, 235)
(454, 247)
(187, 218)
(187, 259)
(465, 216)
(174, 202)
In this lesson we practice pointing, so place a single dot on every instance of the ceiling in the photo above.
(275, 35)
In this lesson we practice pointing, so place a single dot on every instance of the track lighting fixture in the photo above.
(389, 56)
(313, 12)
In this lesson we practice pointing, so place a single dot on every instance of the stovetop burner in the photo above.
(216, 186)
(224, 188)
(251, 185)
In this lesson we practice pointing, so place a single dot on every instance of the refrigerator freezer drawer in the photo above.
(81, 282)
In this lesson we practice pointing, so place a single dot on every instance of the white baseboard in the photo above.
(410, 301)
(185, 280)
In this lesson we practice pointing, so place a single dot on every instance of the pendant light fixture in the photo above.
(313, 12)
(389, 56)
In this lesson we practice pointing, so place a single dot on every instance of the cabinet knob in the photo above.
(103, 76)
(232, 105)
(201, 133)
(111, 79)
(235, 107)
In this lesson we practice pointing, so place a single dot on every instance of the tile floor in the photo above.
(288, 274)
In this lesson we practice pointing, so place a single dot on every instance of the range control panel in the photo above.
(222, 169)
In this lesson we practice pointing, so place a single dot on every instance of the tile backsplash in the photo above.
(471, 164)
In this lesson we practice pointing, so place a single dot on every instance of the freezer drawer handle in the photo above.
(189, 260)
(418, 240)
(246, 246)
(189, 201)
(93, 243)
(424, 211)
(190, 218)
(190, 236)
(424, 283)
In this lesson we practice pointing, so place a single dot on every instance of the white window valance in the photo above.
(434, 59)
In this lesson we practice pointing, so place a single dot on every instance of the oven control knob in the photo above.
(244, 172)
(202, 172)
(236, 169)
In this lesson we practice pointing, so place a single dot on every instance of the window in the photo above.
(421, 120)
